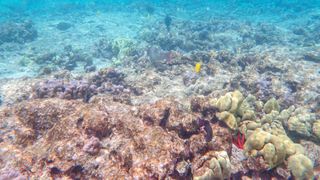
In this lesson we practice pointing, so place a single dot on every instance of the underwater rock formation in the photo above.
(213, 34)
(214, 165)
(300, 166)
(12, 174)
(17, 32)
(312, 150)
(158, 57)
(65, 90)
(201, 95)
(264, 88)
(63, 26)
(68, 59)
(265, 136)
(106, 138)
(104, 49)
(105, 81)
(117, 50)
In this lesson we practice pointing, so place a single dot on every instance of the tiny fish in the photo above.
(197, 67)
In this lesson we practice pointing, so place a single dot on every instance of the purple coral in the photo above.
(105, 81)
(264, 88)
(12, 175)
(75, 89)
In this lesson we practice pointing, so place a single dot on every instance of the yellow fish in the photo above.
(197, 67)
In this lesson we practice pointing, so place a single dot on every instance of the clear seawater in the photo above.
(127, 18)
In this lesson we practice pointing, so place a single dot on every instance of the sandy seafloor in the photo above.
(134, 63)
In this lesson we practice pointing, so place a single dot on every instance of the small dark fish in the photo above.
(167, 22)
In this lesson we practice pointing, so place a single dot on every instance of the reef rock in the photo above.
(17, 32)
(104, 138)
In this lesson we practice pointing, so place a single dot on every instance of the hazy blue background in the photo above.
(272, 10)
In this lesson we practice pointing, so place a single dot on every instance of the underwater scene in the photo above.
(166, 89)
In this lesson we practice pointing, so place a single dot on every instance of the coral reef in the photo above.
(303, 123)
(166, 139)
(76, 134)
(228, 105)
(266, 136)
(211, 35)
(104, 49)
(105, 81)
(300, 166)
(17, 32)
(12, 174)
(68, 59)
(250, 112)
(116, 50)
(58, 88)
(215, 165)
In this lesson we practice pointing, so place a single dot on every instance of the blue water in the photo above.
(292, 23)
(262, 10)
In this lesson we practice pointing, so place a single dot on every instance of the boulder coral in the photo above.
(271, 105)
(276, 150)
(228, 106)
(316, 128)
(229, 119)
(300, 166)
(215, 165)
(263, 126)
(301, 122)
